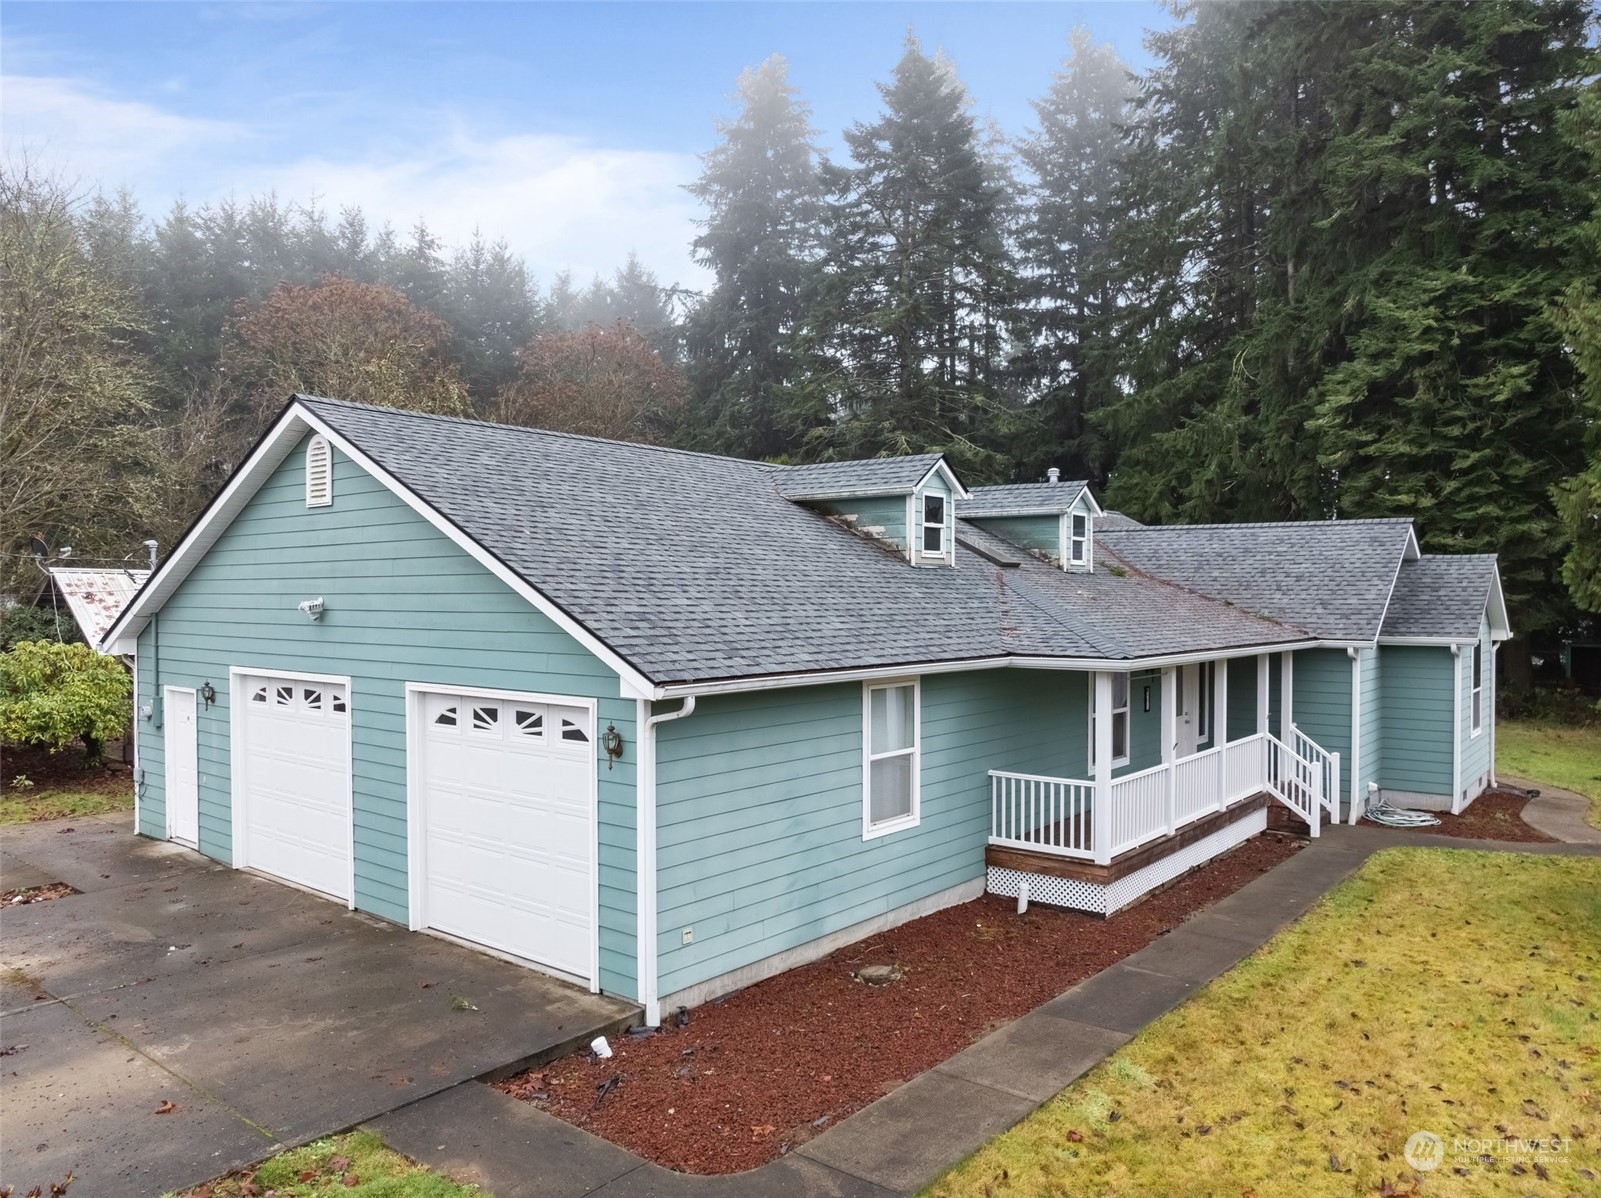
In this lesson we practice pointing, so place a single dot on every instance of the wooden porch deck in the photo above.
(1055, 865)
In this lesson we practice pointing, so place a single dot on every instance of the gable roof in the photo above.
(864, 476)
(1024, 499)
(1331, 577)
(96, 595)
(1443, 597)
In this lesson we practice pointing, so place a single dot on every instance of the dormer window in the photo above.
(1078, 549)
(934, 525)
(319, 473)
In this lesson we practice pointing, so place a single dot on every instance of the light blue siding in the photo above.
(1145, 727)
(1321, 703)
(1370, 739)
(882, 515)
(759, 809)
(1028, 532)
(404, 604)
(1476, 749)
(1241, 720)
(1417, 720)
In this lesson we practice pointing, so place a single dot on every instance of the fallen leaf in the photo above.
(350, 1181)
(760, 1130)
(167, 1107)
(1074, 1136)
(338, 1164)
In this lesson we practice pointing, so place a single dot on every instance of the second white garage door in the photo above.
(506, 791)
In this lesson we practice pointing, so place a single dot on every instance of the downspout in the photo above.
(1456, 731)
(1495, 682)
(1356, 727)
(645, 782)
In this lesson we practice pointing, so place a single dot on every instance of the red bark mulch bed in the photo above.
(763, 1070)
(1494, 815)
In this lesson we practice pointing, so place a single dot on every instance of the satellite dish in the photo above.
(38, 548)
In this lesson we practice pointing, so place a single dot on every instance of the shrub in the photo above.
(24, 622)
(53, 694)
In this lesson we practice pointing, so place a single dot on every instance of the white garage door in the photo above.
(294, 773)
(508, 836)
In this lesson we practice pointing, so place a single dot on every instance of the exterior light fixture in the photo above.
(208, 693)
(612, 741)
(311, 609)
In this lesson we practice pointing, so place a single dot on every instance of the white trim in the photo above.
(269, 454)
(134, 728)
(646, 896)
(1426, 642)
(955, 484)
(1456, 732)
(1264, 678)
(416, 812)
(870, 830)
(238, 824)
(1495, 671)
(166, 766)
(1356, 726)
(1087, 562)
(319, 455)
(1128, 718)
(1286, 694)
(1476, 691)
(1220, 703)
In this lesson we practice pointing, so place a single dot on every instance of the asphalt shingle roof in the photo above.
(866, 476)
(1441, 596)
(1331, 577)
(669, 558)
(1048, 498)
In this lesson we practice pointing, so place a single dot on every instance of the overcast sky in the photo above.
(567, 129)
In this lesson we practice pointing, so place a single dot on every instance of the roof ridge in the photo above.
(1268, 524)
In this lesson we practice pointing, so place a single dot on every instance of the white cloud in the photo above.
(563, 202)
(72, 128)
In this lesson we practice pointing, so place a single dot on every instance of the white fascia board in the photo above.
(1395, 579)
(1500, 625)
(1439, 642)
(1095, 508)
(203, 534)
(846, 493)
(1056, 511)
(486, 559)
(943, 467)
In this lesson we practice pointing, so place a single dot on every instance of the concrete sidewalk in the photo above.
(1556, 812)
(903, 1141)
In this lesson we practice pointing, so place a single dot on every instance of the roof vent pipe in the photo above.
(1053, 475)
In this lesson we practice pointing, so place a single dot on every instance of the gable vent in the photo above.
(319, 473)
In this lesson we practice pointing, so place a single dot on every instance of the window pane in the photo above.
(1478, 700)
(1080, 525)
(1120, 734)
(1119, 691)
(933, 538)
(1476, 665)
(933, 509)
(891, 717)
(891, 783)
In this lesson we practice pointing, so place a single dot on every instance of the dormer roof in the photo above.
(865, 476)
(1027, 499)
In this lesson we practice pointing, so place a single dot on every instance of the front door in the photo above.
(1188, 710)
(182, 746)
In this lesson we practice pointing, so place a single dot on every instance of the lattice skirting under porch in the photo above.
(1106, 898)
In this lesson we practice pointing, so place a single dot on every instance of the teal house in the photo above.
(663, 723)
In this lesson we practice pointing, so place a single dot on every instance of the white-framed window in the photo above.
(936, 509)
(1478, 689)
(1120, 689)
(319, 472)
(891, 756)
(1078, 539)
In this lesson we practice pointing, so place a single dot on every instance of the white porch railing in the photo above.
(1326, 763)
(1060, 815)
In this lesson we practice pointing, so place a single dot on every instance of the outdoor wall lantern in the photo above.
(612, 741)
(208, 693)
(1147, 698)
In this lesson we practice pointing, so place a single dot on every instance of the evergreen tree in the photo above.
(761, 190)
(908, 330)
(490, 304)
(1068, 294)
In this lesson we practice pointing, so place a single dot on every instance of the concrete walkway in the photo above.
(266, 1015)
(903, 1141)
(1556, 812)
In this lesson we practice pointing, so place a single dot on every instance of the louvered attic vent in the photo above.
(319, 473)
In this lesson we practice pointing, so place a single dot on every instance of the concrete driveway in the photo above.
(266, 1015)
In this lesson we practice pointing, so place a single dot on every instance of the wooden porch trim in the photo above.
(1054, 866)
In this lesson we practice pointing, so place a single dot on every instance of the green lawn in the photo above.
(350, 1166)
(23, 806)
(1443, 991)
(1555, 754)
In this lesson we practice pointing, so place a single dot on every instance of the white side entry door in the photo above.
(182, 743)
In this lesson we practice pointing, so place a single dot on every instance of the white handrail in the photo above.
(1033, 811)
(1327, 764)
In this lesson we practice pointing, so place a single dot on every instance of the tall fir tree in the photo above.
(910, 328)
(759, 239)
(1067, 292)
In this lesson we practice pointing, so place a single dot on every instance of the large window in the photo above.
(1478, 688)
(890, 766)
(1079, 541)
(1119, 720)
(934, 525)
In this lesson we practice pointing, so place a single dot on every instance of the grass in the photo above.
(24, 806)
(1454, 992)
(1555, 754)
(351, 1166)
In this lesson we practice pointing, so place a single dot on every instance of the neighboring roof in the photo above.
(96, 595)
(713, 600)
(1331, 577)
(1442, 597)
(1023, 499)
(866, 476)
(1107, 521)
